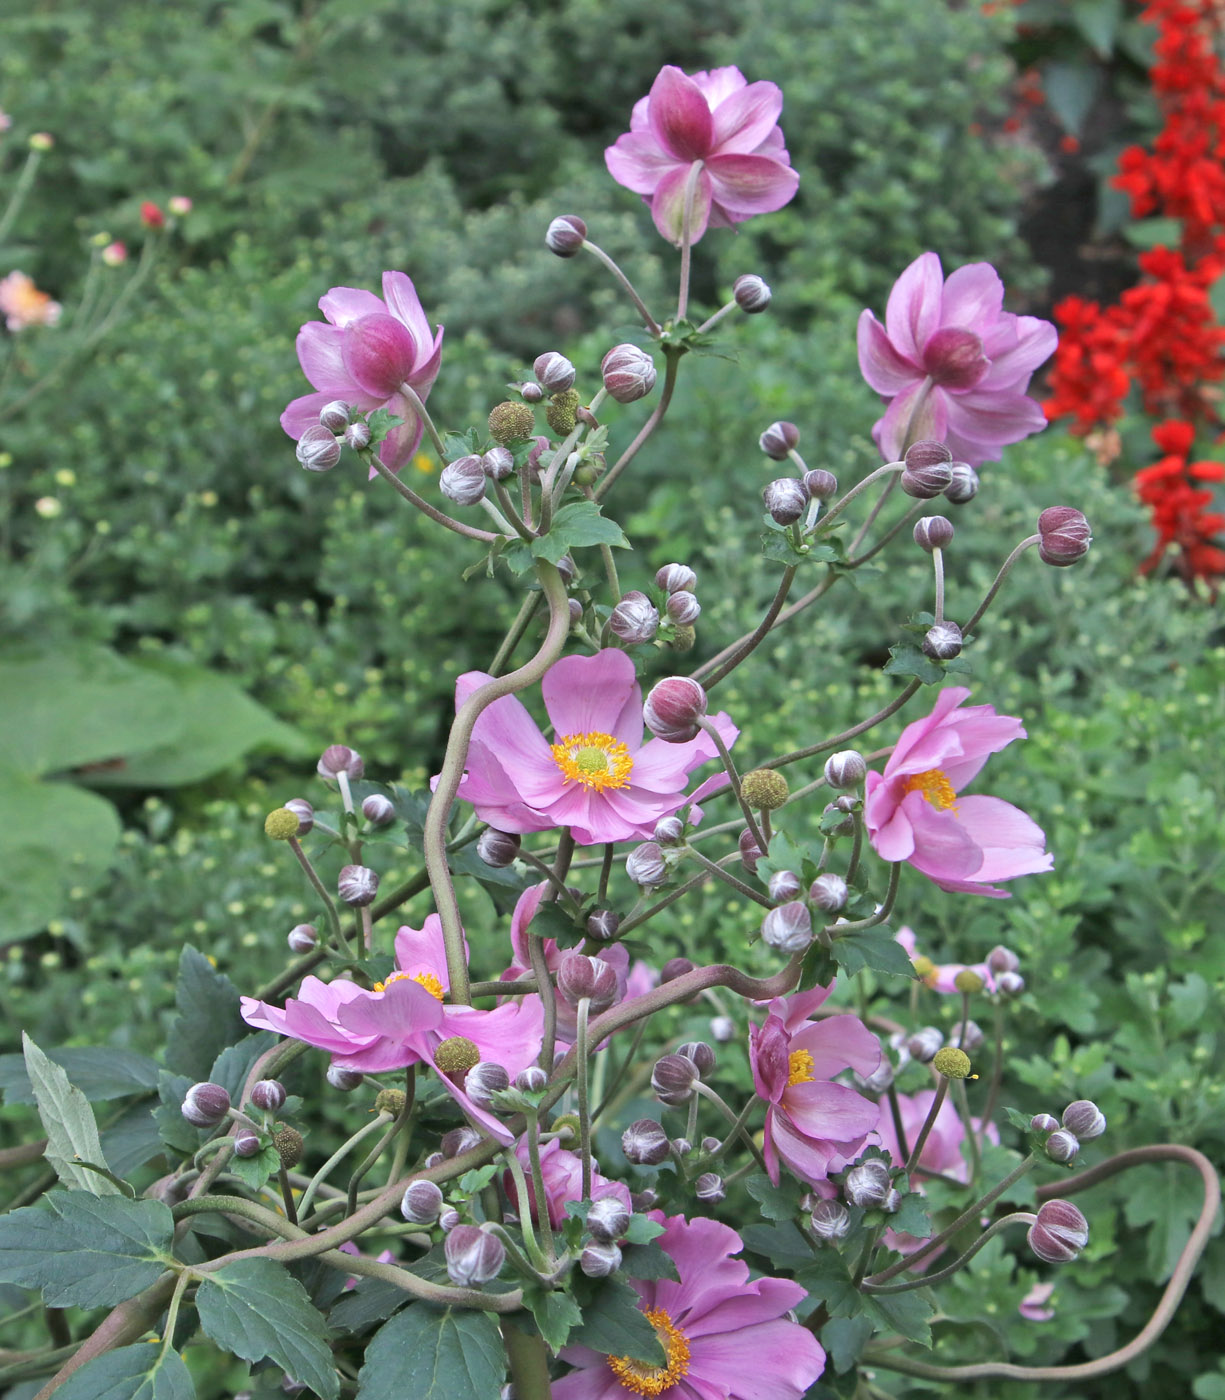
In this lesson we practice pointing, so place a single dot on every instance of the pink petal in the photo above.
(303, 413)
(886, 370)
(589, 694)
(744, 119)
(320, 350)
(700, 1248)
(913, 309)
(980, 737)
(830, 1112)
(887, 821)
(511, 736)
(719, 84)
(1035, 342)
(769, 1057)
(903, 423)
(1012, 842)
(982, 422)
(809, 1158)
(344, 304)
(838, 1043)
(405, 1009)
(745, 184)
(397, 448)
(638, 162)
(424, 950)
(774, 1361)
(763, 1300)
(668, 205)
(902, 760)
(402, 302)
(973, 298)
(680, 117)
(945, 847)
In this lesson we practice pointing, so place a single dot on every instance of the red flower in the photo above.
(151, 216)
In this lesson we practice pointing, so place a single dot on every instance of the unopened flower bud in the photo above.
(288, 1144)
(532, 1080)
(629, 373)
(828, 892)
(575, 609)
(1010, 984)
(1059, 1233)
(457, 1141)
(784, 886)
(700, 1053)
(645, 865)
(474, 1256)
(357, 885)
(684, 635)
(951, 1063)
(498, 848)
(933, 532)
(1043, 1123)
(554, 372)
(603, 924)
(346, 1080)
(676, 578)
(206, 1104)
(710, 1144)
(843, 827)
(599, 1259)
(565, 235)
(830, 1220)
(673, 1079)
(645, 1143)
(483, 1081)
(764, 789)
(357, 436)
(1001, 959)
(674, 968)
(751, 293)
(497, 463)
(969, 1037)
(868, 1184)
(778, 440)
(421, 1202)
(881, 1077)
(942, 641)
(1062, 1146)
(644, 1200)
(607, 1218)
(669, 831)
(580, 977)
(1084, 1119)
(750, 851)
(334, 416)
(924, 1044)
(337, 759)
(530, 392)
(788, 928)
(681, 1146)
(304, 812)
(463, 481)
(268, 1094)
(302, 938)
(247, 1143)
(1064, 534)
(390, 1102)
(820, 485)
(318, 449)
(683, 607)
(968, 981)
(785, 500)
(673, 707)
(722, 1029)
(846, 769)
(448, 1219)
(635, 618)
(964, 485)
(377, 809)
(928, 470)
(709, 1187)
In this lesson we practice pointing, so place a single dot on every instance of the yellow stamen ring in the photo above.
(594, 759)
(801, 1066)
(935, 787)
(425, 979)
(654, 1380)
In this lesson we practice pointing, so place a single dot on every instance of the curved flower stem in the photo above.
(895, 1111)
(963, 1112)
(672, 355)
(308, 1196)
(523, 1203)
(636, 917)
(647, 319)
(21, 189)
(736, 1120)
(725, 757)
(886, 908)
(750, 643)
(557, 887)
(606, 865)
(942, 1089)
(584, 1106)
(532, 1135)
(374, 1154)
(877, 506)
(861, 728)
(1018, 1217)
(527, 611)
(938, 568)
(691, 189)
(422, 412)
(548, 995)
(172, 1312)
(469, 531)
(711, 321)
(338, 934)
(1005, 568)
(729, 879)
(510, 513)
(889, 469)
(852, 868)
(529, 1363)
(893, 529)
(435, 835)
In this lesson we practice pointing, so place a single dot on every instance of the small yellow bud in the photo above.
(390, 1101)
(968, 981)
(923, 967)
(952, 1063)
(765, 789)
(281, 824)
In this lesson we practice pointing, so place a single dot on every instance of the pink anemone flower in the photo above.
(368, 348)
(941, 977)
(713, 133)
(597, 777)
(562, 1172)
(723, 1337)
(405, 1019)
(913, 811)
(813, 1126)
(953, 363)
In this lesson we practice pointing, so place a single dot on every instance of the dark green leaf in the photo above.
(828, 1279)
(373, 1300)
(380, 423)
(556, 1314)
(578, 524)
(456, 445)
(141, 1372)
(132, 1140)
(875, 948)
(908, 1314)
(844, 1338)
(434, 1354)
(99, 1071)
(779, 546)
(911, 1217)
(648, 1261)
(86, 1251)
(1071, 90)
(614, 1323)
(782, 1244)
(68, 1121)
(254, 1171)
(1098, 21)
(231, 1068)
(256, 1309)
(208, 1018)
(641, 1230)
(781, 1202)
(906, 659)
(175, 1131)
(472, 1182)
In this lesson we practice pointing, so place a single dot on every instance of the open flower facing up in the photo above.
(368, 348)
(815, 1127)
(404, 1020)
(597, 777)
(723, 1337)
(953, 363)
(716, 128)
(23, 305)
(913, 810)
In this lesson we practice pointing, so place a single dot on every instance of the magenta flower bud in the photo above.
(268, 1094)
(645, 865)
(580, 977)
(635, 618)
(629, 373)
(846, 769)
(379, 353)
(820, 485)
(607, 1218)
(498, 848)
(463, 481)
(498, 463)
(830, 1220)
(676, 578)
(1010, 984)
(599, 1259)
(457, 1141)
(1065, 536)
(1001, 959)
(247, 1143)
(751, 293)
(205, 1105)
(337, 759)
(942, 641)
(1084, 1119)
(603, 924)
(554, 371)
(1062, 1146)
(750, 851)
(304, 812)
(964, 485)
(933, 532)
(473, 1255)
(828, 892)
(318, 449)
(880, 1079)
(565, 235)
(788, 928)
(357, 885)
(575, 609)
(669, 831)
(702, 1055)
(334, 416)
(925, 1044)
(868, 1184)
(722, 1029)
(644, 1200)
(710, 1144)
(779, 440)
(421, 1202)
(530, 393)
(532, 1080)
(784, 886)
(927, 453)
(970, 1040)
(1059, 1233)
(709, 1187)
(483, 1081)
(1043, 1123)
(674, 968)
(683, 607)
(645, 1143)
(841, 828)
(785, 500)
(673, 1079)
(302, 938)
(673, 707)
(346, 1080)
(357, 436)
(377, 809)
(448, 1219)
(927, 482)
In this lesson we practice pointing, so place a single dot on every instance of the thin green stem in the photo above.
(713, 672)
(339, 940)
(729, 764)
(584, 1106)
(647, 319)
(312, 1188)
(470, 532)
(1005, 569)
(21, 190)
(1018, 1217)
(737, 1120)
(886, 908)
(942, 1089)
(672, 355)
(728, 878)
(527, 610)
(938, 568)
(423, 414)
(532, 1134)
(861, 728)
(291, 1212)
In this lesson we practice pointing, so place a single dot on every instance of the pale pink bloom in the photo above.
(953, 363)
(562, 1171)
(942, 977)
(724, 1337)
(812, 1126)
(720, 129)
(23, 305)
(914, 812)
(597, 777)
(1033, 1306)
(179, 204)
(5, 121)
(368, 348)
(115, 254)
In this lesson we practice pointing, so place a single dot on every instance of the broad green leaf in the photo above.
(648, 1261)
(906, 1313)
(875, 948)
(256, 1309)
(828, 1279)
(68, 1120)
(132, 1139)
(373, 1300)
(906, 659)
(141, 1372)
(434, 1354)
(86, 1251)
(614, 1323)
(912, 1217)
(1098, 20)
(208, 1018)
(782, 1244)
(781, 1202)
(575, 525)
(844, 1338)
(173, 1129)
(100, 1072)
(1071, 90)
(254, 1171)
(556, 1314)
(642, 1230)
(234, 1064)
